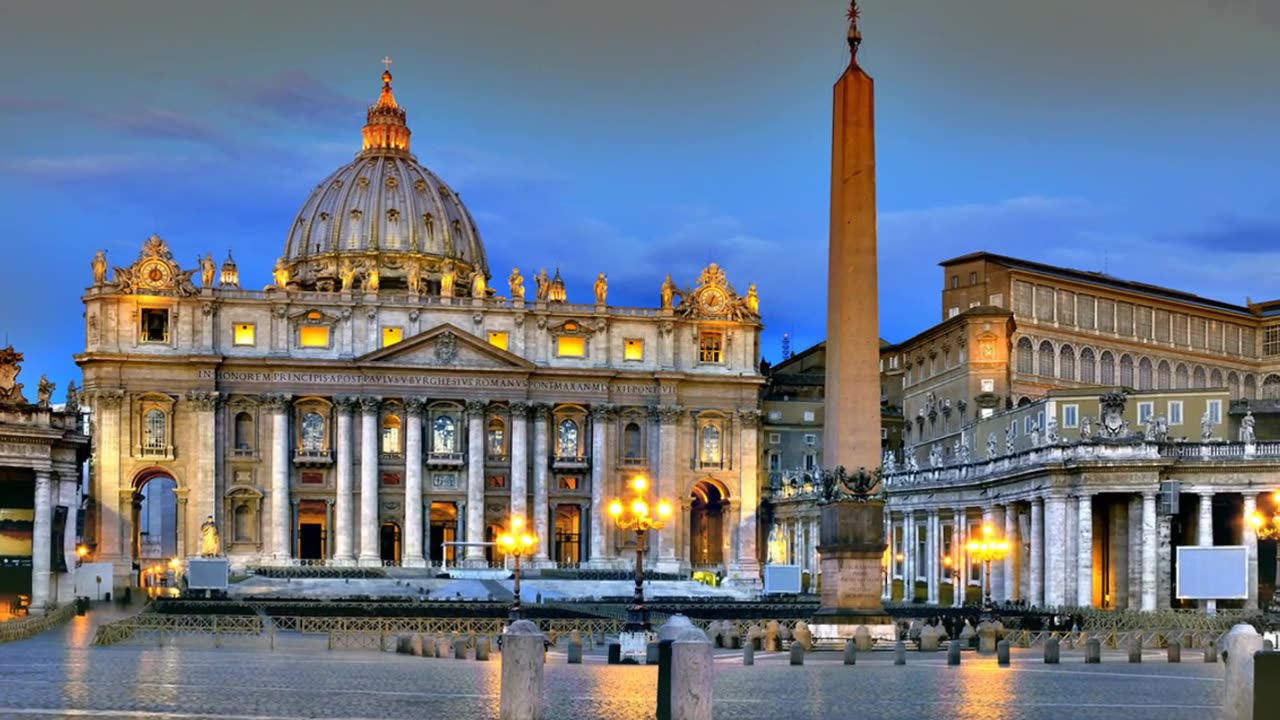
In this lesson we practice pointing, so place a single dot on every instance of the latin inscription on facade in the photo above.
(453, 381)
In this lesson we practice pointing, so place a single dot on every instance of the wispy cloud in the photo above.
(293, 95)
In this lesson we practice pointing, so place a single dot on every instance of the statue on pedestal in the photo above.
(668, 292)
(372, 280)
(1206, 427)
(477, 284)
(280, 274)
(347, 274)
(73, 399)
(207, 270)
(516, 282)
(413, 275)
(44, 391)
(210, 544)
(753, 300)
(448, 272)
(99, 269)
(1246, 428)
(601, 288)
(777, 547)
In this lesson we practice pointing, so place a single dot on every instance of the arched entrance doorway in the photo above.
(706, 523)
(390, 543)
(443, 529)
(155, 519)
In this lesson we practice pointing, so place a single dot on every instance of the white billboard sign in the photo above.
(781, 579)
(1219, 572)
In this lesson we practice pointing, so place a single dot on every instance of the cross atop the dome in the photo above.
(386, 63)
(855, 36)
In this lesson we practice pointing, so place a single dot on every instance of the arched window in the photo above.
(1198, 378)
(1250, 388)
(1107, 368)
(1162, 380)
(1271, 387)
(1126, 371)
(1067, 363)
(568, 441)
(153, 432)
(1215, 379)
(1233, 385)
(631, 442)
(495, 439)
(1180, 379)
(313, 432)
(1046, 359)
(391, 435)
(1145, 381)
(244, 431)
(444, 435)
(709, 448)
(1088, 367)
(1025, 354)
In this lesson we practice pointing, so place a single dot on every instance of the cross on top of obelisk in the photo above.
(386, 63)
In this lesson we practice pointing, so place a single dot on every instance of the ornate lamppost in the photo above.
(517, 543)
(636, 516)
(986, 550)
(1268, 528)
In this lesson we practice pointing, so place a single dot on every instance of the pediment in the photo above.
(447, 345)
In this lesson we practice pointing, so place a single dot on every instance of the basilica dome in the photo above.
(382, 220)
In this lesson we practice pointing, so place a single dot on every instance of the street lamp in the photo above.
(517, 543)
(1268, 528)
(82, 552)
(984, 551)
(635, 516)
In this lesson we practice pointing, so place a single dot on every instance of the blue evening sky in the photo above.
(644, 137)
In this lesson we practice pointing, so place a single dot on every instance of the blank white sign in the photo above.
(1213, 573)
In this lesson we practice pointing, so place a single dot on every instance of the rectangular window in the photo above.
(313, 336)
(884, 433)
(568, 483)
(775, 462)
(810, 438)
(775, 415)
(955, 281)
(498, 340)
(988, 385)
(710, 347)
(952, 312)
(1145, 411)
(1215, 411)
(985, 413)
(775, 438)
(391, 335)
(808, 416)
(1175, 412)
(155, 325)
(633, 349)
(810, 462)
(242, 334)
(1013, 426)
(1070, 416)
(1026, 425)
(1271, 341)
(973, 278)
(571, 347)
(996, 300)
(1040, 420)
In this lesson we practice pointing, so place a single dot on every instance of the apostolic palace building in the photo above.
(387, 394)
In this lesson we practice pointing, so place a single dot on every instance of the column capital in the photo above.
(1205, 493)
(477, 407)
(750, 418)
(108, 398)
(669, 414)
(276, 403)
(345, 404)
(539, 411)
(370, 404)
(415, 405)
(602, 411)
(204, 401)
(519, 409)
(1149, 494)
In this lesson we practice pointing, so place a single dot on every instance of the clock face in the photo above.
(155, 274)
(713, 300)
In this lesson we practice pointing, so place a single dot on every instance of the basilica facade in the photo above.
(388, 396)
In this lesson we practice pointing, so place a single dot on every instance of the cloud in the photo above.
(293, 95)
(22, 105)
(76, 168)
(1230, 234)
(159, 124)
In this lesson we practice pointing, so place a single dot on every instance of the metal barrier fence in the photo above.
(12, 630)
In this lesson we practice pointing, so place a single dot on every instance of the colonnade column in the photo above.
(1055, 533)
(931, 562)
(475, 479)
(959, 556)
(1249, 536)
(204, 487)
(994, 516)
(278, 406)
(413, 556)
(370, 553)
(343, 550)
(41, 542)
(908, 556)
(520, 459)
(1084, 552)
(1011, 558)
(599, 463)
(668, 434)
(1149, 590)
(540, 480)
(1036, 578)
(886, 589)
(1204, 534)
(749, 490)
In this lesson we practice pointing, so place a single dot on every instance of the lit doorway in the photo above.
(568, 548)
(390, 544)
(312, 526)
(155, 520)
(443, 529)
(706, 525)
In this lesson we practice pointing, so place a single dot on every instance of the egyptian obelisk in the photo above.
(852, 539)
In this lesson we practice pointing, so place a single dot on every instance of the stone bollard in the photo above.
(929, 639)
(967, 634)
(899, 653)
(615, 653)
(521, 692)
(953, 652)
(482, 648)
(1093, 651)
(797, 653)
(429, 646)
(667, 634)
(1210, 653)
(735, 641)
(1238, 648)
(575, 652)
(575, 636)
(850, 652)
(415, 645)
(442, 647)
(1175, 652)
(1052, 651)
(802, 636)
(1002, 653)
(986, 637)
(651, 654)
(1135, 650)
(772, 636)
(748, 654)
(459, 649)
(691, 670)
(862, 639)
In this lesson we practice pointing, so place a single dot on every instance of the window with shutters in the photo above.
(1044, 303)
(1067, 363)
(1180, 377)
(1179, 329)
(1247, 339)
(1124, 318)
(1197, 332)
(1126, 371)
(1022, 298)
(1106, 315)
(1026, 354)
(1066, 307)
(1088, 367)
(1107, 368)
(1232, 346)
(1162, 326)
(1144, 323)
(1084, 311)
(1144, 373)
(1215, 336)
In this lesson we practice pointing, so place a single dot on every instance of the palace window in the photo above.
(392, 335)
(810, 438)
(973, 278)
(1175, 412)
(1107, 368)
(154, 435)
(155, 325)
(955, 281)
(313, 336)
(1070, 416)
(988, 385)
(244, 431)
(810, 463)
(313, 432)
(567, 445)
(391, 435)
(775, 462)
(709, 449)
(631, 448)
(243, 334)
(574, 347)
(710, 347)
(1215, 411)
(498, 340)
(444, 436)
(496, 438)
(633, 349)
(1271, 341)
(775, 438)
(1145, 411)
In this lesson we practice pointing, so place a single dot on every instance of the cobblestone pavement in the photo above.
(59, 675)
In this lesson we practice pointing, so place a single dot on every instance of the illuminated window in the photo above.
(444, 436)
(154, 429)
(496, 440)
(633, 350)
(568, 483)
(313, 336)
(243, 334)
(498, 340)
(710, 451)
(570, 347)
(155, 325)
(391, 335)
(313, 432)
(568, 441)
(710, 347)
(391, 435)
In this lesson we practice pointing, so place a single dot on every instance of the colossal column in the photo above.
(959, 569)
(931, 561)
(278, 407)
(1084, 551)
(370, 552)
(1204, 534)
(1249, 536)
(475, 479)
(909, 540)
(413, 556)
(1055, 532)
(1149, 557)
(667, 439)
(599, 464)
(41, 542)
(343, 552)
(520, 459)
(749, 492)
(204, 490)
(1036, 579)
(1012, 557)
(540, 447)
